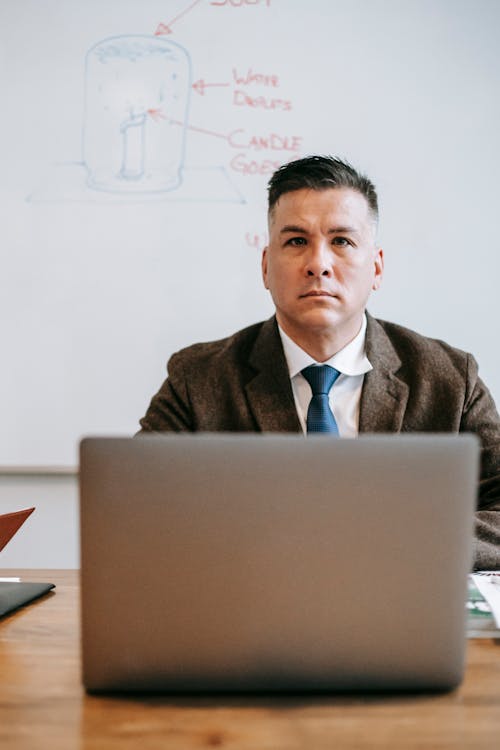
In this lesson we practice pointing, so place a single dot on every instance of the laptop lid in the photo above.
(275, 562)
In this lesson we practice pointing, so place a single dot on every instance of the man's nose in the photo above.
(320, 260)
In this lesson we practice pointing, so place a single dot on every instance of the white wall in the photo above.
(49, 536)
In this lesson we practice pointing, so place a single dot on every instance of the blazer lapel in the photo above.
(269, 391)
(384, 395)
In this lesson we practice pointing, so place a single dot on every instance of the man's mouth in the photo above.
(318, 293)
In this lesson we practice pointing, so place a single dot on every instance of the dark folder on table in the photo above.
(14, 594)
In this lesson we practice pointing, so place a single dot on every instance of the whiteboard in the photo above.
(137, 139)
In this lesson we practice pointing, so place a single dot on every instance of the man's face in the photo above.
(321, 263)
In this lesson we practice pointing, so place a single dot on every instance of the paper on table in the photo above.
(10, 522)
(488, 583)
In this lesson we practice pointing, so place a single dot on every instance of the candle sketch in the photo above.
(136, 108)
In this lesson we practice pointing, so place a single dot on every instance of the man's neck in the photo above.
(321, 344)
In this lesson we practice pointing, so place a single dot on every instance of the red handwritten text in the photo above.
(241, 99)
(258, 241)
(272, 142)
(262, 79)
(240, 163)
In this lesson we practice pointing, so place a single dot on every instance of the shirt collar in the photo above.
(351, 360)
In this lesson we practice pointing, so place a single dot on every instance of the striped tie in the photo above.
(319, 415)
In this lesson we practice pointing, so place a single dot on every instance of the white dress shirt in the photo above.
(345, 394)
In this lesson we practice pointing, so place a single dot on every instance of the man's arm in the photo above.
(487, 542)
(169, 410)
(480, 416)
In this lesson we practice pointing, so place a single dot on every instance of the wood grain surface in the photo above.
(43, 704)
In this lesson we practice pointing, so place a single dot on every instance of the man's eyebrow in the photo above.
(293, 228)
(296, 229)
(343, 230)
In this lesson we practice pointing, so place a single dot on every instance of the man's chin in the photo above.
(321, 319)
(314, 322)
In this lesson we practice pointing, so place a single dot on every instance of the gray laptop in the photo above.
(235, 562)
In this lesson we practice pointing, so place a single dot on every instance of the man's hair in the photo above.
(320, 173)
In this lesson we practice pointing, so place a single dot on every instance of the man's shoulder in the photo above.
(411, 345)
(235, 347)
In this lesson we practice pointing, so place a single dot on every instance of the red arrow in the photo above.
(156, 114)
(164, 28)
(200, 86)
(199, 130)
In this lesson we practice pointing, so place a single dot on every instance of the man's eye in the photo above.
(340, 241)
(296, 241)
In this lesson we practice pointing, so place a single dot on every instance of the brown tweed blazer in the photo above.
(418, 384)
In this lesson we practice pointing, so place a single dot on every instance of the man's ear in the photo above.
(264, 267)
(379, 269)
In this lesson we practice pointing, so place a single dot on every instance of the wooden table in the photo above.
(43, 705)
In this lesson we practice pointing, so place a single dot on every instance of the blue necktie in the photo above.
(319, 415)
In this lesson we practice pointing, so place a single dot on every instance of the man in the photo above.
(320, 266)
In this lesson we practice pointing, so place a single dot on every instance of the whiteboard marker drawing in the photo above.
(133, 145)
(137, 90)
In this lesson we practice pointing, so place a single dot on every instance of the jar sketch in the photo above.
(137, 92)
